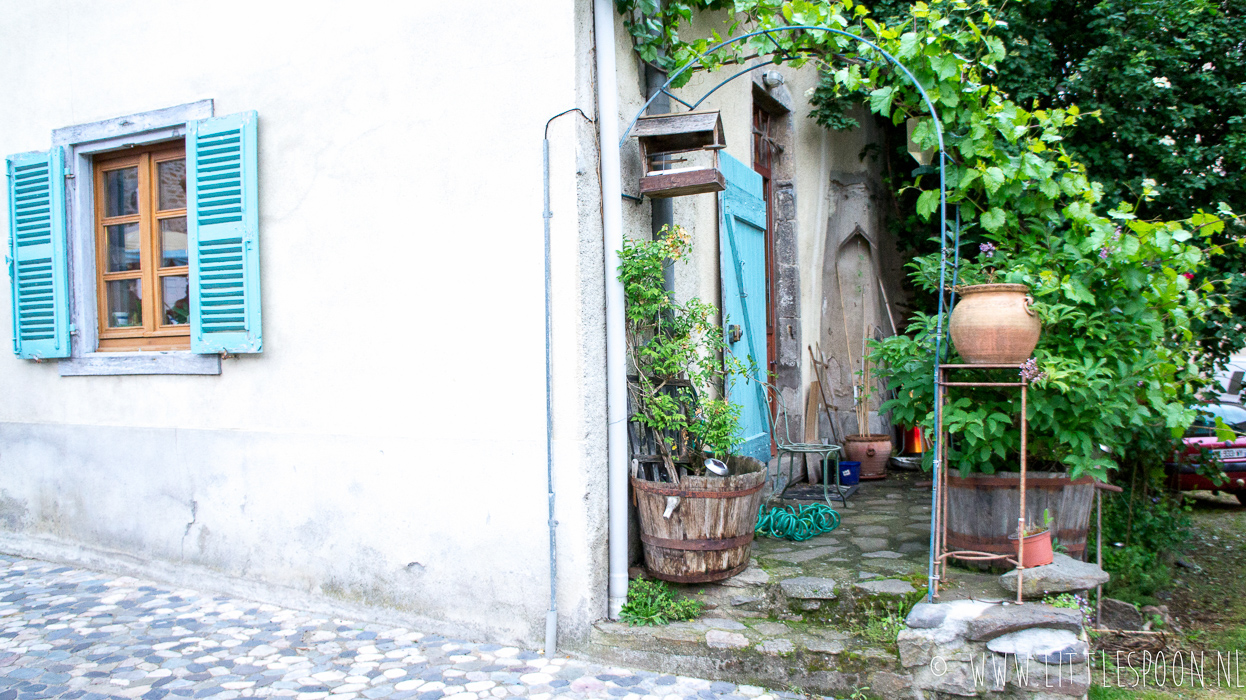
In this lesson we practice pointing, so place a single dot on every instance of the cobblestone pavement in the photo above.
(77, 634)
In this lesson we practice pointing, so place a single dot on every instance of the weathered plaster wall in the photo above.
(387, 448)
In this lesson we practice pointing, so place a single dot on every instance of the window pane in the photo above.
(172, 177)
(121, 192)
(123, 247)
(173, 242)
(125, 304)
(175, 292)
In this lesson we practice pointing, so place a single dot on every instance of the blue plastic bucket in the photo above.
(849, 473)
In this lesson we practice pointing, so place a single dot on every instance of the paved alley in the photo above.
(77, 634)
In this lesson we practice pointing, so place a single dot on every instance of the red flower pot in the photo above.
(1035, 549)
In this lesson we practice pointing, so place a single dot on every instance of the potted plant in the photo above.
(993, 323)
(694, 526)
(871, 450)
(1036, 549)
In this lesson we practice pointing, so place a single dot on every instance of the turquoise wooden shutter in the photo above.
(222, 179)
(742, 249)
(37, 257)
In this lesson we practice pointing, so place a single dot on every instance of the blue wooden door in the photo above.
(742, 250)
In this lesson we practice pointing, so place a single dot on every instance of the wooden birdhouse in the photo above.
(680, 153)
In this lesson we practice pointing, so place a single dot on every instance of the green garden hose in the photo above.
(796, 524)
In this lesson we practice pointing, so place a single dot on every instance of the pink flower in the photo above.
(1188, 275)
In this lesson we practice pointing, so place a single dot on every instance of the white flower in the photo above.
(1161, 83)
(1167, 141)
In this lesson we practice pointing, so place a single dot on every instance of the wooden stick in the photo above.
(826, 405)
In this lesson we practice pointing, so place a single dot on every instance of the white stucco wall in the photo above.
(387, 448)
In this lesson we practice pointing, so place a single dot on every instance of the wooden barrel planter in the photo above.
(982, 510)
(709, 534)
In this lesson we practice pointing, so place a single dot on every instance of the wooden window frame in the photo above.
(153, 334)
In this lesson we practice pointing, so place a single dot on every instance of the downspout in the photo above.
(612, 235)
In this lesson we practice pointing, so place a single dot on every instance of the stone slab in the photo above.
(889, 586)
(1045, 645)
(808, 588)
(1063, 575)
(926, 615)
(882, 555)
(801, 556)
(869, 544)
(721, 639)
(776, 647)
(752, 576)
(1119, 615)
(999, 620)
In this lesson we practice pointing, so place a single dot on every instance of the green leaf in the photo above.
(993, 177)
(927, 203)
(993, 219)
(908, 45)
(880, 100)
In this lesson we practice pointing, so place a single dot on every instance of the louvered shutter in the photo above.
(37, 259)
(222, 176)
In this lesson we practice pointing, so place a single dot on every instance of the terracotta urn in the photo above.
(994, 324)
(872, 451)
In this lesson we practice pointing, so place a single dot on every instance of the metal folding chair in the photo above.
(794, 449)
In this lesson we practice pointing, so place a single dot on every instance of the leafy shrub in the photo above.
(668, 342)
(1142, 528)
(654, 603)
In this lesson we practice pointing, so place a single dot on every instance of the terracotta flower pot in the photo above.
(1035, 549)
(872, 451)
(994, 324)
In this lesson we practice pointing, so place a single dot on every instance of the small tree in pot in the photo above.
(676, 390)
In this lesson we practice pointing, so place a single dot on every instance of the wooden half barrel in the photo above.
(709, 534)
(982, 510)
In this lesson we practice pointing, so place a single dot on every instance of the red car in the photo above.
(1232, 455)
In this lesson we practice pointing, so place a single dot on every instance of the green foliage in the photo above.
(1073, 601)
(669, 343)
(1121, 296)
(883, 629)
(1167, 81)
(654, 603)
(1142, 528)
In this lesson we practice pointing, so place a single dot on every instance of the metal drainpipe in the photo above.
(551, 615)
(616, 359)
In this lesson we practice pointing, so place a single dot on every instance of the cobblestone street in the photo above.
(72, 633)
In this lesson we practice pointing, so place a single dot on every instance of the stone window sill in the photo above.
(120, 363)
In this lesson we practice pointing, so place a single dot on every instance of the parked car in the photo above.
(1231, 454)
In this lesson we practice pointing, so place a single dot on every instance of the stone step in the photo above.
(764, 652)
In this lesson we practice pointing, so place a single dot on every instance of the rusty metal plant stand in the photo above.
(940, 515)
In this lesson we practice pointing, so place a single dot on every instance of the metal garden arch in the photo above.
(943, 229)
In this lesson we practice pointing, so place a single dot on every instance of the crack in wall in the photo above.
(194, 517)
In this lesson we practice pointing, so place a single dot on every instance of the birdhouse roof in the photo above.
(676, 133)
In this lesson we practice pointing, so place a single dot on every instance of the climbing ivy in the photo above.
(1114, 289)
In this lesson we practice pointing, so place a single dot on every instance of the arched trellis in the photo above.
(943, 228)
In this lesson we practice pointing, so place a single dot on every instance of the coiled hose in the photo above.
(796, 524)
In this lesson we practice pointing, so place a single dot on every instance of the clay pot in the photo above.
(1035, 549)
(872, 451)
(994, 324)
